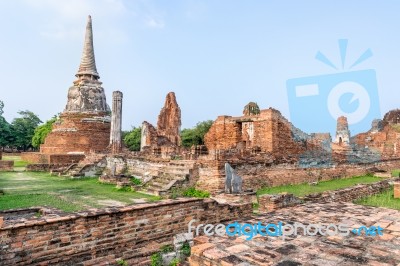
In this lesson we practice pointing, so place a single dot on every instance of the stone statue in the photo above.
(233, 182)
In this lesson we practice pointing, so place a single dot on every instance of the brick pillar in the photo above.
(116, 123)
(396, 187)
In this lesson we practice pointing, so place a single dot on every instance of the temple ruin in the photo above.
(165, 139)
(261, 145)
(84, 125)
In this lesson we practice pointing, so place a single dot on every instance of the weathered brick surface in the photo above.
(6, 165)
(267, 131)
(308, 250)
(78, 132)
(87, 238)
(46, 167)
(40, 158)
(169, 120)
(257, 175)
(273, 202)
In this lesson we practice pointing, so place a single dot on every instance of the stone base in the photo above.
(78, 133)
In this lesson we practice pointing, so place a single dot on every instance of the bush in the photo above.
(136, 181)
(174, 262)
(195, 136)
(186, 249)
(121, 262)
(166, 249)
(132, 139)
(156, 259)
(192, 192)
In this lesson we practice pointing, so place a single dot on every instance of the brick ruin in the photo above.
(383, 137)
(261, 131)
(165, 139)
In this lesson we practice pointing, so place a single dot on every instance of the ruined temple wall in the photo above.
(224, 133)
(257, 175)
(40, 158)
(270, 132)
(132, 233)
(78, 132)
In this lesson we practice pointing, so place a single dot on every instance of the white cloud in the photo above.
(154, 23)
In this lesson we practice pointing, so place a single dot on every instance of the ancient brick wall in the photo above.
(224, 133)
(78, 132)
(169, 120)
(349, 194)
(45, 167)
(40, 158)
(269, 131)
(257, 175)
(272, 202)
(6, 165)
(132, 233)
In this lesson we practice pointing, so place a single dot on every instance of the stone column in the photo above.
(116, 122)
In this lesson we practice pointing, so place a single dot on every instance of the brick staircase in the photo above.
(175, 174)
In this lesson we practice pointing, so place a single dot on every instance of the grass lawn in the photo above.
(29, 189)
(384, 199)
(305, 189)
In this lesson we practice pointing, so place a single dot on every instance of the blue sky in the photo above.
(215, 55)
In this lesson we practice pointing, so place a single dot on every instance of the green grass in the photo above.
(384, 199)
(396, 172)
(29, 189)
(305, 189)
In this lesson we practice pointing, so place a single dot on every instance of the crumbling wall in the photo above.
(268, 131)
(40, 158)
(78, 133)
(132, 233)
(169, 120)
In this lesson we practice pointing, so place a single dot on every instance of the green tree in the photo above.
(132, 138)
(23, 129)
(5, 131)
(42, 131)
(195, 136)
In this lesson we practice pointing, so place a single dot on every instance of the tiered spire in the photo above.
(87, 66)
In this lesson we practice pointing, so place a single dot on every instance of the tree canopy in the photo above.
(23, 129)
(42, 131)
(132, 139)
(195, 136)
